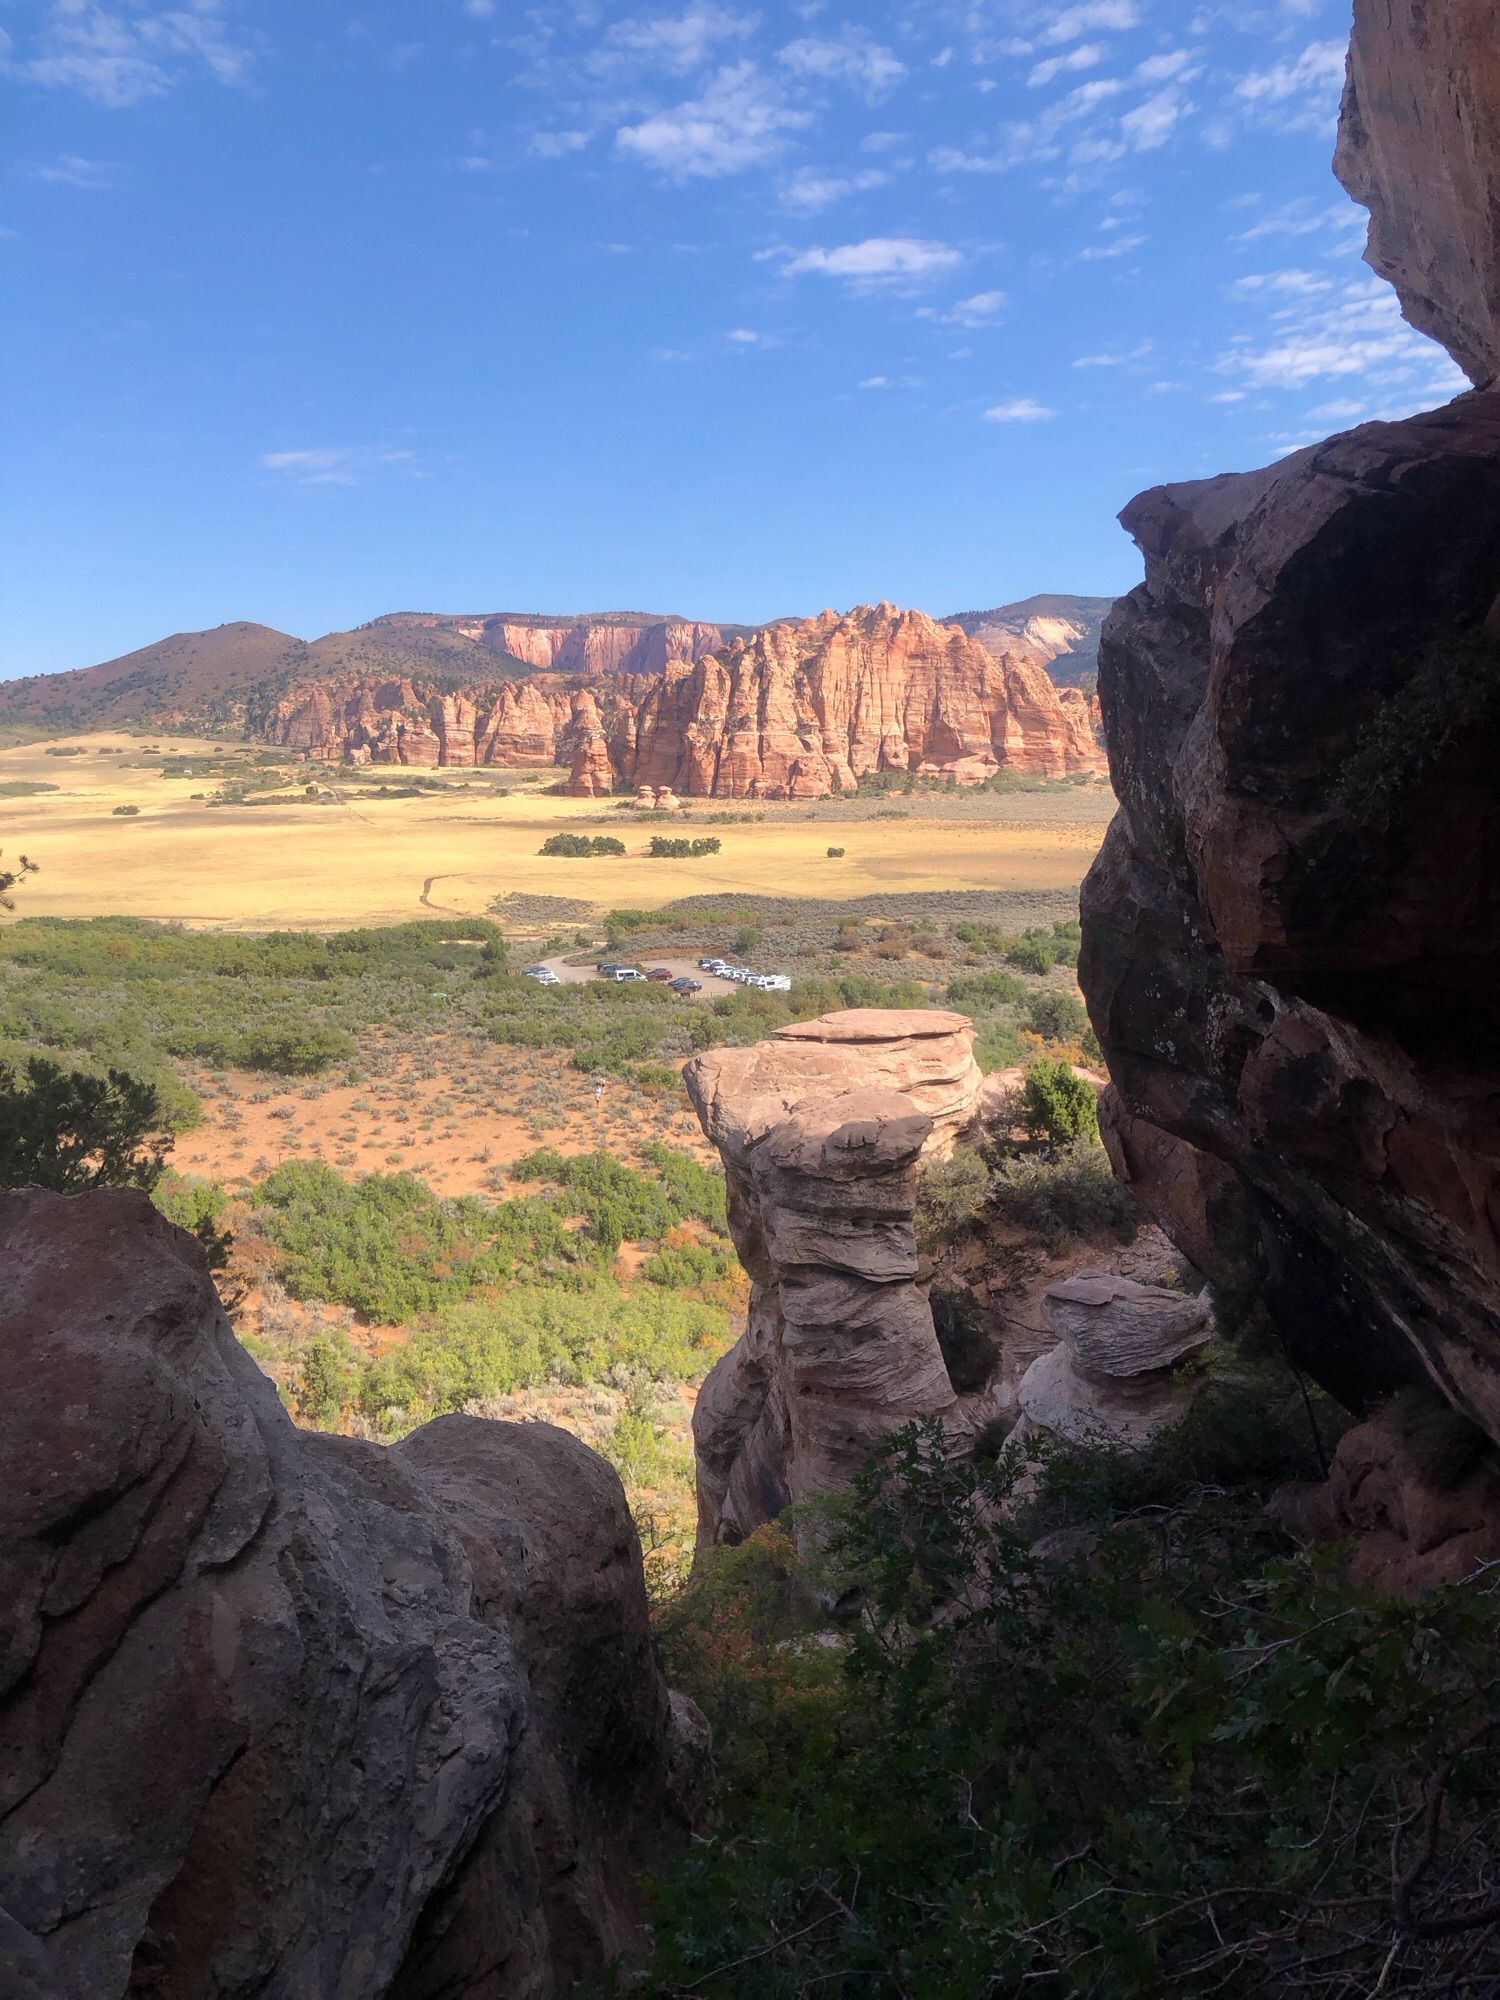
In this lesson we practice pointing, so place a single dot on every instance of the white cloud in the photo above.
(1019, 410)
(1285, 284)
(980, 309)
(71, 170)
(1091, 16)
(877, 260)
(810, 189)
(739, 120)
(334, 465)
(555, 145)
(1119, 358)
(1086, 56)
(1301, 95)
(1162, 69)
(682, 42)
(877, 382)
(853, 59)
(1358, 334)
(1117, 246)
(748, 337)
(1152, 123)
(118, 57)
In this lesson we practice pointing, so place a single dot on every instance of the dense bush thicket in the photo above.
(577, 845)
(1170, 1756)
(128, 993)
(666, 847)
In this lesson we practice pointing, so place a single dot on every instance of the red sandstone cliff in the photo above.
(798, 710)
(803, 709)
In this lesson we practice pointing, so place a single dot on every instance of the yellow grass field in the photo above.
(371, 861)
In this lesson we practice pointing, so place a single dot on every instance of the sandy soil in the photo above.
(424, 1115)
(368, 861)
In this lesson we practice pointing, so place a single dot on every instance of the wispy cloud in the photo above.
(1091, 17)
(979, 309)
(682, 42)
(811, 188)
(1358, 334)
(877, 260)
(1085, 56)
(1298, 95)
(335, 465)
(738, 120)
(118, 56)
(1020, 410)
(851, 58)
(71, 170)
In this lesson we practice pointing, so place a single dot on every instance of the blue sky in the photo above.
(319, 310)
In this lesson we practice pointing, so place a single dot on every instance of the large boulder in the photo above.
(1292, 934)
(1120, 1372)
(821, 1130)
(289, 1714)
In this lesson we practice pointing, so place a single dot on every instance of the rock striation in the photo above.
(800, 709)
(803, 709)
(291, 1714)
(1116, 1376)
(821, 1129)
(1292, 934)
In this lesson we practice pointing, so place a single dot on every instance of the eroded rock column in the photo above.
(821, 1129)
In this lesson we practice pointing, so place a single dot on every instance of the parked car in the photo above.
(661, 972)
(543, 975)
(710, 965)
(686, 985)
(531, 971)
(774, 982)
(608, 967)
(624, 973)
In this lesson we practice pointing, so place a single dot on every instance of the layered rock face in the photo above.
(804, 709)
(1419, 146)
(523, 722)
(1292, 934)
(1116, 1376)
(821, 1129)
(595, 646)
(291, 1714)
(798, 710)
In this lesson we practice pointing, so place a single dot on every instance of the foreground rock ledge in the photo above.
(821, 1129)
(285, 1714)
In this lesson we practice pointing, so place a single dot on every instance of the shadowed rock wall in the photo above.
(1292, 934)
(283, 1714)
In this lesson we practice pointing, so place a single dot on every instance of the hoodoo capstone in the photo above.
(291, 1714)
(821, 1129)
(1292, 935)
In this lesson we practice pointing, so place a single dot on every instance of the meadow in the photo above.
(166, 829)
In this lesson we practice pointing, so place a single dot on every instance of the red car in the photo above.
(663, 972)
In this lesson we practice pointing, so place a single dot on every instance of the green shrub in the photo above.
(69, 1129)
(126, 812)
(1058, 1104)
(665, 846)
(1176, 1758)
(1061, 1197)
(835, 854)
(575, 845)
(986, 989)
(951, 1197)
(1056, 1015)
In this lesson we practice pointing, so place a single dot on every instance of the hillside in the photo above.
(1058, 632)
(234, 676)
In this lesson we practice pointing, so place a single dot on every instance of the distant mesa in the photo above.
(801, 708)
(1056, 632)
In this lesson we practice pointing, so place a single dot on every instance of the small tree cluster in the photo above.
(577, 846)
(664, 847)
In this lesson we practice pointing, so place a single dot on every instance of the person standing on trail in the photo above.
(598, 1092)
